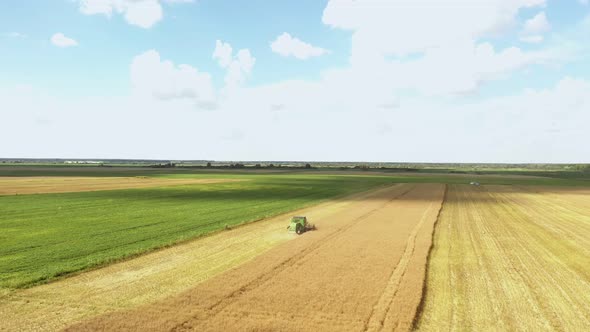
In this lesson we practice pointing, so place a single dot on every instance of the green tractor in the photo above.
(300, 225)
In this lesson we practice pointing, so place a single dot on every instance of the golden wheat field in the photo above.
(510, 258)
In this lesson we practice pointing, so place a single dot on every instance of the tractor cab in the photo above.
(299, 225)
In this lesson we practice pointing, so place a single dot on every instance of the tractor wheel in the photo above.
(299, 229)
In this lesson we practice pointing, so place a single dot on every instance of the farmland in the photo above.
(46, 236)
(125, 249)
(65, 184)
(517, 258)
(382, 292)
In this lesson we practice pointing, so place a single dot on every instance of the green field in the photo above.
(46, 236)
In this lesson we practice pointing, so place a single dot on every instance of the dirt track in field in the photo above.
(171, 271)
(65, 184)
(363, 269)
(510, 259)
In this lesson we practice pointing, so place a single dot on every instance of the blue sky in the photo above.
(388, 71)
(187, 34)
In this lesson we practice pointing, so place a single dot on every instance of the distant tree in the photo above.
(307, 166)
(271, 165)
(208, 164)
(257, 166)
(166, 165)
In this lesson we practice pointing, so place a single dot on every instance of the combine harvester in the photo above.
(300, 225)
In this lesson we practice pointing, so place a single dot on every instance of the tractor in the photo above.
(300, 225)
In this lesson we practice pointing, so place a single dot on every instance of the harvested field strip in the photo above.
(159, 274)
(380, 311)
(508, 259)
(416, 245)
(65, 184)
(330, 279)
(258, 282)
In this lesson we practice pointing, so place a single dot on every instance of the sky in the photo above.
(309, 80)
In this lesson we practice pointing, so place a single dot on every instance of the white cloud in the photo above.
(463, 68)
(222, 53)
(534, 28)
(433, 49)
(142, 13)
(286, 45)
(449, 71)
(400, 27)
(238, 67)
(60, 40)
(532, 126)
(163, 80)
(537, 24)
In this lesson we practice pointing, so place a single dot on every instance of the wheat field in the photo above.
(510, 258)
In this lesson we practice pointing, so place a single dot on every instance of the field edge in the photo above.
(419, 310)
